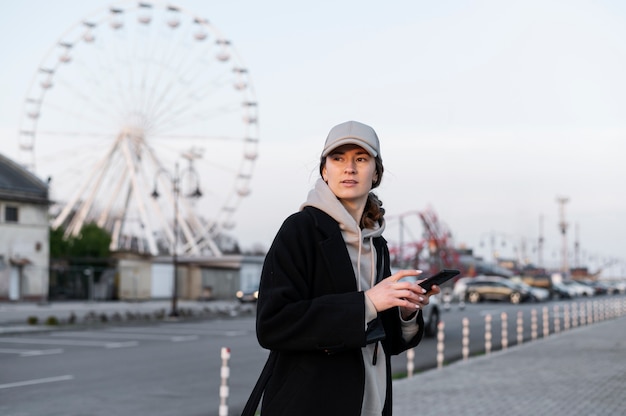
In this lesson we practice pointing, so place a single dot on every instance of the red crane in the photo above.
(433, 251)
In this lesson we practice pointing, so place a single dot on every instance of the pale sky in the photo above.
(487, 110)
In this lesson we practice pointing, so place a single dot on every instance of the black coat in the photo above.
(313, 318)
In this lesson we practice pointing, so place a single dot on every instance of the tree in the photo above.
(92, 241)
(59, 246)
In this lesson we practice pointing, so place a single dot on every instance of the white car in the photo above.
(581, 290)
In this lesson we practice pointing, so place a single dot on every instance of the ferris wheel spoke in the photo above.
(184, 100)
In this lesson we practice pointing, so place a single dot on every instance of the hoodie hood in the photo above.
(359, 242)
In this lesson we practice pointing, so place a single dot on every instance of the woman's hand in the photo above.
(408, 296)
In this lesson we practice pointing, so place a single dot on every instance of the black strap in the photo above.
(257, 392)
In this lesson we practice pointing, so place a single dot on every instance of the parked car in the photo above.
(618, 286)
(432, 317)
(479, 290)
(563, 291)
(537, 294)
(540, 280)
(581, 290)
(459, 291)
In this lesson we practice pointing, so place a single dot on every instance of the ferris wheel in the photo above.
(117, 102)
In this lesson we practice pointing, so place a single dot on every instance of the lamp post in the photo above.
(175, 179)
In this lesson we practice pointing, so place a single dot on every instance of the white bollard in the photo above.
(589, 312)
(533, 324)
(505, 332)
(582, 315)
(545, 322)
(465, 339)
(520, 327)
(574, 314)
(410, 364)
(225, 373)
(566, 320)
(440, 346)
(487, 334)
(557, 321)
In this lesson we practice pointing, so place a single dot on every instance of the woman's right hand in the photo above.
(391, 292)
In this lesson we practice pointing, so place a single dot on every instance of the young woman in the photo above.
(329, 309)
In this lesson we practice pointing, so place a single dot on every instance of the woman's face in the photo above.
(349, 172)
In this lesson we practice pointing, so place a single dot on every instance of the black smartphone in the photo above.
(437, 279)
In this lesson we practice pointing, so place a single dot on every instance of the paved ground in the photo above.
(581, 371)
(578, 372)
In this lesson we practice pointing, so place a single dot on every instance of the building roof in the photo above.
(19, 185)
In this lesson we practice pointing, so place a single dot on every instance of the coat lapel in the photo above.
(335, 253)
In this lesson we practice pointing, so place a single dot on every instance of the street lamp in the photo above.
(176, 187)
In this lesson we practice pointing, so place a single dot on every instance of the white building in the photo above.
(24, 234)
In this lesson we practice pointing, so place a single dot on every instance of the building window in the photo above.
(10, 214)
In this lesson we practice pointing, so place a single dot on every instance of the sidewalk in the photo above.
(14, 316)
(578, 372)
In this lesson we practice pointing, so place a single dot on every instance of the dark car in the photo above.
(500, 290)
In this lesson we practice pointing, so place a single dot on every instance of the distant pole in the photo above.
(540, 243)
(576, 246)
(175, 180)
(563, 227)
(176, 190)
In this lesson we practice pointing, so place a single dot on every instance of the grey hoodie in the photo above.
(363, 257)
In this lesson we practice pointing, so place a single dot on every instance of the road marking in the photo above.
(31, 353)
(110, 334)
(72, 343)
(157, 329)
(36, 381)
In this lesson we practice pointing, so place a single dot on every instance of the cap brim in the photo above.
(350, 140)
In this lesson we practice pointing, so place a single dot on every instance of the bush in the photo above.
(32, 320)
(52, 321)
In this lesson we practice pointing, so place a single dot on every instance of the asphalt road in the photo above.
(175, 368)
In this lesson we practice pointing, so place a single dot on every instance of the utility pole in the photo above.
(175, 180)
(576, 246)
(563, 228)
(540, 243)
